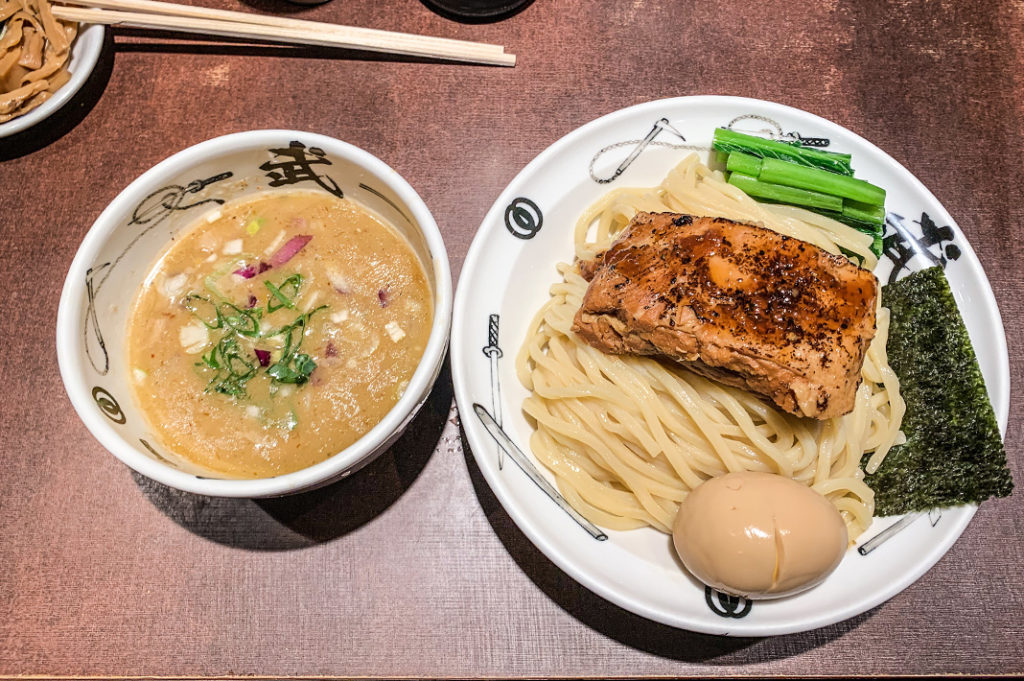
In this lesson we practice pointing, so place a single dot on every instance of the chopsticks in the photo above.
(226, 23)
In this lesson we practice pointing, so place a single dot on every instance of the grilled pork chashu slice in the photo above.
(737, 303)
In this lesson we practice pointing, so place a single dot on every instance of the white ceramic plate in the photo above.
(85, 52)
(506, 277)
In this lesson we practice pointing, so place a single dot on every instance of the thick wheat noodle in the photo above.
(628, 437)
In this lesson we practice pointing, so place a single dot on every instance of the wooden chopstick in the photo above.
(174, 9)
(224, 23)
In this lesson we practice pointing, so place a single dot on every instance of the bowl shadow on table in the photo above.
(301, 520)
(625, 627)
(64, 119)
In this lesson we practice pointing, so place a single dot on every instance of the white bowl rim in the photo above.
(70, 317)
(90, 39)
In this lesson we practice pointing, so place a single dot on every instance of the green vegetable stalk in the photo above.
(813, 179)
(782, 194)
(738, 162)
(730, 141)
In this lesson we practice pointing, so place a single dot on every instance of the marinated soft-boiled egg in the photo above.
(759, 535)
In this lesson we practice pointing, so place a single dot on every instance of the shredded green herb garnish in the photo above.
(224, 314)
(204, 310)
(233, 361)
(283, 295)
(230, 369)
(954, 453)
(294, 366)
(243, 321)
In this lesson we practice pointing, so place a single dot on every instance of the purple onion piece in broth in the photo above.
(289, 250)
(247, 272)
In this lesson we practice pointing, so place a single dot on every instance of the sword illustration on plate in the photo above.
(659, 125)
(517, 455)
(493, 353)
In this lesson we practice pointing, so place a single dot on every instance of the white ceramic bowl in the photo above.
(85, 52)
(127, 237)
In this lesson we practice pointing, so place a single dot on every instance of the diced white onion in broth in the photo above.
(174, 286)
(338, 281)
(193, 337)
(395, 331)
(233, 247)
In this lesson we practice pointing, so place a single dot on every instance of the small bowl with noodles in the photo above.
(43, 62)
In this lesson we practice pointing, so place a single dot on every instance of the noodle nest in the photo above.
(628, 437)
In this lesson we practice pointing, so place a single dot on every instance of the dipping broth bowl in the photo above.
(125, 241)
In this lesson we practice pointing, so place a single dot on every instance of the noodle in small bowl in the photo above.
(569, 202)
(85, 50)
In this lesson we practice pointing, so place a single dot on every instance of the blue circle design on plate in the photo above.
(108, 405)
(523, 219)
(725, 605)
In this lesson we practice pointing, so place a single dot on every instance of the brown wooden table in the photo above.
(411, 568)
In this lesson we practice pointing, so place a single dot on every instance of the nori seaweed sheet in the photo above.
(954, 454)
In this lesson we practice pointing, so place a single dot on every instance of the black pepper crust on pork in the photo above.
(740, 304)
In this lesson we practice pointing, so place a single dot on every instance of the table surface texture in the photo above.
(412, 568)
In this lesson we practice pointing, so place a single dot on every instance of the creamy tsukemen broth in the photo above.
(276, 331)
